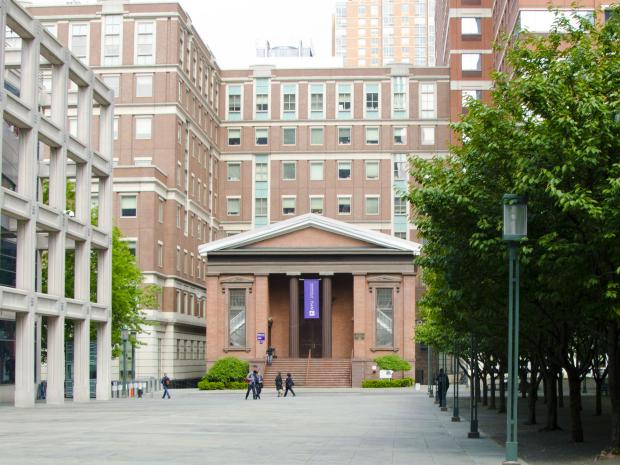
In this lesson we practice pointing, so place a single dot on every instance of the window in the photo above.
(372, 205)
(261, 135)
(112, 40)
(372, 170)
(289, 100)
(428, 136)
(372, 101)
(73, 126)
(344, 101)
(384, 323)
(399, 92)
(131, 245)
(344, 170)
(144, 43)
(400, 234)
(160, 210)
(129, 206)
(143, 127)
(316, 171)
(372, 135)
(113, 82)
(261, 97)
(236, 317)
(344, 136)
(288, 205)
(79, 41)
(234, 136)
(289, 136)
(471, 61)
(160, 253)
(233, 206)
(470, 26)
(115, 128)
(179, 215)
(344, 204)
(288, 170)
(316, 101)
(260, 207)
(234, 103)
(261, 103)
(316, 205)
(427, 101)
(400, 166)
(233, 171)
(316, 136)
(261, 172)
(400, 135)
(400, 206)
(466, 95)
(144, 85)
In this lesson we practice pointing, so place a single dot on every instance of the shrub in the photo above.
(387, 383)
(392, 362)
(205, 385)
(236, 385)
(228, 369)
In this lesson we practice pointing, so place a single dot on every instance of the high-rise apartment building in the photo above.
(468, 29)
(377, 33)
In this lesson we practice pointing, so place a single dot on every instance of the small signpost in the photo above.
(260, 337)
(385, 374)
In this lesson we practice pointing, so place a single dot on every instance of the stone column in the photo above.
(293, 337)
(362, 340)
(326, 317)
(56, 360)
(81, 360)
(104, 359)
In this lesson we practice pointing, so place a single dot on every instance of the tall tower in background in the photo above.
(381, 32)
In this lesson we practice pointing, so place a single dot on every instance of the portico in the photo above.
(366, 293)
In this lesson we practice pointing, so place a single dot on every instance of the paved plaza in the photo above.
(335, 427)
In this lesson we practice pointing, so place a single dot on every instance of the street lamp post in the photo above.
(473, 406)
(444, 394)
(430, 372)
(455, 383)
(124, 338)
(436, 381)
(515, 229)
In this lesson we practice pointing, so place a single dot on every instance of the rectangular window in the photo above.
(344, 136)
(262, 136)
(428, 136)
(288, 205)
(372, 205)
(427, 101)
(234, 103)
(143, 127)
(233, 206)
(316, 171)
(129, 206)
(233, 171)
(112, 40)
(79, 41)
(316, 136)
(113, 82)
(400, 166)
(160, 210)
(260, 207)
(289, 136)
(471, 62)
(179, 215)
(234, 136)
(400, 135)
(400, 206)
(289, 102)
(385, 317)
(344, 170)
(160, 253)
(372, 100)
(236, 318)
(467, 95)
(344, 204)
(344, 101)
(316, 102)
(372, 135)
(144, 43)
(262, 105)
(261, 97)
(144, 85)
(470, 26)
(261, 172)
(316, 205)
(399, 93)
(115, 128)
(372, 170)
(288, 170)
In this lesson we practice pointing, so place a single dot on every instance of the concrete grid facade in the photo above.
(41, 158)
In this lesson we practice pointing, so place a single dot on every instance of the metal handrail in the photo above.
(308, 366)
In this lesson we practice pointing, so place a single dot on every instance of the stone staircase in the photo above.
(315, 372)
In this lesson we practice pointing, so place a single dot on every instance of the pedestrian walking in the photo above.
(259, 383)
(289, 385)
(165, 382)
(442, 387)
(270, 353)
(279, 384)
(251, 385)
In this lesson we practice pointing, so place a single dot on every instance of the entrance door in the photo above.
(310, 330)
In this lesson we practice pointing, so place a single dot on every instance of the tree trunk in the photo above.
(502, 391)
(613, 352)
(492, 405)
(544, 381)
(561, 389)
(523, 383)
(599, 399)
(532, 396)
(478, 386)
(485, 389)
(574, 387)
(552, 400)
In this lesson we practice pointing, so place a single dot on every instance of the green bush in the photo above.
(392, 362)
(387, 383)
(210, 385)
(227, 369)
(236, 385)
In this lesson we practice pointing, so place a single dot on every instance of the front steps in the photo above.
(327, 373)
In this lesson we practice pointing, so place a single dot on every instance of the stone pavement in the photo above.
(318, 427)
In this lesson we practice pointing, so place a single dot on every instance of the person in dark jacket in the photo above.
(250, 379)
(279, 384)
(442, 387)
(289, 385)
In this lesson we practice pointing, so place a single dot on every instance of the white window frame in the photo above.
(160, 254)
(338, 128)
(284, 128)
(288, 162)
(161, 207)
(404, 135)
(322, 170)
(378, 129)
(228, 199)
(120, 39)
(420, 96)
(80, 23)
(378, 198)
(378, 110)
(316, 197)
(310, 111)
(427, 141)
(465, 57)
(266, 129)
(135, 42)
(322, 129)
(128, 196)
(289, 197)
(343, 162)
(351, 94)
(117, 90)
(338, 204)
(145, 75)
(228, 137)
(242, 87)
(228, 165)
(115, 127)
(143, 118)
(372, 162)
(282, 93)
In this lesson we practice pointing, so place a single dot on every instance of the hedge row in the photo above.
(205, 385)
(387, 383)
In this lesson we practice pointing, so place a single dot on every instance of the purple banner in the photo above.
(311, 298)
